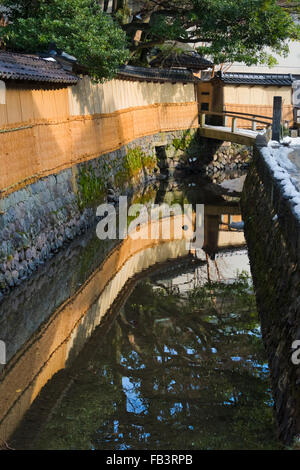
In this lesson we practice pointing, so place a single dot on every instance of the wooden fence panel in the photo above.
(69, 125)
(262, 110)
(18, 158)
(3, 115)
(54, 147)
(13, 107)
(145, 121)
(27, 108)
(126, 127)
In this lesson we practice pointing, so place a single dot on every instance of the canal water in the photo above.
(141, 345)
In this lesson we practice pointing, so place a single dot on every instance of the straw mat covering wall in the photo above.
(45, 131)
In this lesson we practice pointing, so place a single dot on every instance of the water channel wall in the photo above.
(40, 218)
(218, 156)
(64, 148)
(62, 334)
(272, 231)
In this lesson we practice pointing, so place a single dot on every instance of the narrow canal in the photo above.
(160, 349)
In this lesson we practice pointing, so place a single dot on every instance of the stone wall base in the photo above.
(36, 221)
(276, 277)
(217, 156)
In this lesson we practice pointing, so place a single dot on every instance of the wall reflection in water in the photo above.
(47, 327)
(179, 369)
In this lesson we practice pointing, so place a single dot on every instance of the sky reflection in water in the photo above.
(175, 372)
(182, 366)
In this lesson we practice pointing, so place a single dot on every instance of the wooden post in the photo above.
(202, 122)
(254, 124)
(233, 125)
(225, 121)
(277, 114)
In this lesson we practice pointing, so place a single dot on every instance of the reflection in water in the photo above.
(183, 362)
(176, 371)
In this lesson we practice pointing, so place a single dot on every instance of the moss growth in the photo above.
(149, 162)
(188, 144)
(121, 178)
(91, 187)
(183, 143)
(135, 161)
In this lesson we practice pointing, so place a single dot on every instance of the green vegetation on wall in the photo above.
(91, 187)
(188, 144)
(183, 143)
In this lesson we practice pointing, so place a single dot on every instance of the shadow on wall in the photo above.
(57, 129)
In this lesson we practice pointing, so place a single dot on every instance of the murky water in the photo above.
(161, 351)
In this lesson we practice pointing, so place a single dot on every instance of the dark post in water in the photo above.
(277, 114)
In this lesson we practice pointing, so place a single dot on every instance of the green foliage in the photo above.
(149, 162)
(79, 27)
(245, 28)
(227, 30)
(123, 14)
(91, 188)
(188, 144)
(135, 160)
(183, 143)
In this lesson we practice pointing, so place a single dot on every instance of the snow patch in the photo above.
(276, 157)
(286, 141)
(292, 141)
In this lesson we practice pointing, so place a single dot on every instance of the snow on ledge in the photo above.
(276, 158)
(293, 141)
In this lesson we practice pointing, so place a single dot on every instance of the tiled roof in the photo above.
(191, 61)
(256, 79)
(14, 66)
(129, 72)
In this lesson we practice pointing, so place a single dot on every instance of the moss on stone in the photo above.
(135, 161)
(184, 142)
(91, 187)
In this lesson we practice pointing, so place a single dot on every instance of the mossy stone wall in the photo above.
(38, 220)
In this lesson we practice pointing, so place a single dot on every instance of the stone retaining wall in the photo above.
(217, 157)
(36, 221)
(272, 232)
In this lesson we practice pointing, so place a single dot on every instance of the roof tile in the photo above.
(256, 79)
(192, 61)
(15, 66)
(129, 72)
